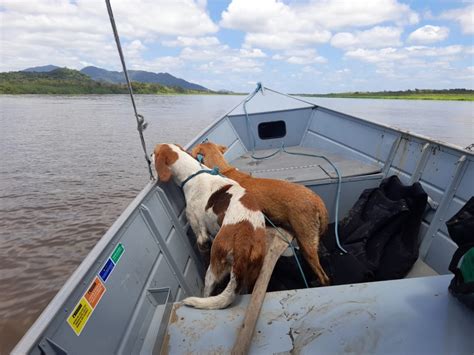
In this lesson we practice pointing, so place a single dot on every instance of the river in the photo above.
(71, 164)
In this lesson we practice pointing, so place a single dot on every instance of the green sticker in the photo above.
(117, 253)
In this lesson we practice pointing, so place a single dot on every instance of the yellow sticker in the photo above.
(79, 317)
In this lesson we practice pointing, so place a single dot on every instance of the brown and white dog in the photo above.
(287, 204)
(216, 205)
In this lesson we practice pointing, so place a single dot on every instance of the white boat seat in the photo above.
(298, 168)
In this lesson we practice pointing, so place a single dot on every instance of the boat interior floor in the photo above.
(303, 168)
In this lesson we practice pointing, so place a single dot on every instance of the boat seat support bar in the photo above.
(421, 164)
(440, 214)
(391, 156)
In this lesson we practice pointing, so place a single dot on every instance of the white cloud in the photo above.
(276, 25)
(252, 53)
(69, 33)
(464, 16)
(182, 41)
(428, 34)
(376, 37)
(376, 55)
(222, 59)
(414, 55)
(300, 56)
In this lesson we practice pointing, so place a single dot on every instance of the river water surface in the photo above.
(69, 165)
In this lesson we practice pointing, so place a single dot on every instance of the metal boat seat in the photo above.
(303, 169)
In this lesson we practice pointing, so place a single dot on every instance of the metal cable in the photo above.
(141, 124)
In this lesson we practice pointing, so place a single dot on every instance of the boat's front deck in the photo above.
(303, 168)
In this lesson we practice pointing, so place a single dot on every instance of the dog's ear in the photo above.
(222, 148)
(162, 165)
(195, 151)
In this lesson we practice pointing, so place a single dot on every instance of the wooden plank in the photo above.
(276, 247)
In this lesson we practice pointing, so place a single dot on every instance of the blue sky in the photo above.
(295, 46)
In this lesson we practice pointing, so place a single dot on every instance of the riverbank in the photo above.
(446, 95)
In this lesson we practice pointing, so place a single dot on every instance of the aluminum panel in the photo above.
(360, 136)
(177, 249)
(440, 168)
(296, 123)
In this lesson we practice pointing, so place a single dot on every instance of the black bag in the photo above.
(461, 230)
(380, 235)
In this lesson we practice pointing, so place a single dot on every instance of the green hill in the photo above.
(69, 81)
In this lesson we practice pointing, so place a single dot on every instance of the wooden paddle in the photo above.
(275, 247)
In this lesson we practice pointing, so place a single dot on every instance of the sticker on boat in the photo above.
(84, 308)
(94, 292)
(91, 298)
(80, 315)
(117, 253)
(111, 262)
(106, 270)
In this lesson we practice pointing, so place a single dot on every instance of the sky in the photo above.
(311, 46)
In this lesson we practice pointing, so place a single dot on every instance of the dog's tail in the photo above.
(222, 300)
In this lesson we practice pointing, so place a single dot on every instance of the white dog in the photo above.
(216, 205)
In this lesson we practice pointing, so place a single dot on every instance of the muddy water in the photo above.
(70, 165)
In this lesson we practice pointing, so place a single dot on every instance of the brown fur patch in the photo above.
(164, 157)
(219, 202)
(248, 247)
(249, 202)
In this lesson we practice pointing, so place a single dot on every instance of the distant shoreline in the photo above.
(97, 81)
(433, 97)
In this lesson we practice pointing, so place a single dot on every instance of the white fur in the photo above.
(215, 302)
(197, 192)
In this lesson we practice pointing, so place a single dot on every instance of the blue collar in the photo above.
(214, 171)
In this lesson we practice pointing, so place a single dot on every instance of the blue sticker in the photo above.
(106, 270)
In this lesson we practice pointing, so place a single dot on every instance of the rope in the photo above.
(141, 124)
(247, 120)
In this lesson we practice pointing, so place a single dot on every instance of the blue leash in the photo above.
(292, 249)
(214, 171)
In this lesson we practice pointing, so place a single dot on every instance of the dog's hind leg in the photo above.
(308, 240)
(212, 279)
